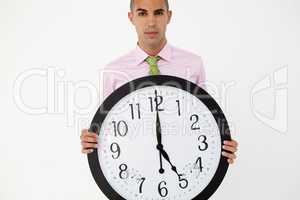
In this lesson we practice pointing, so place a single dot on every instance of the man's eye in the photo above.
(141, 14)
(159, 13)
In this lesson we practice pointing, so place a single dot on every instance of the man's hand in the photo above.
(231, 147)
(89, 141)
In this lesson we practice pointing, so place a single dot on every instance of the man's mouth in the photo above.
(151, 33)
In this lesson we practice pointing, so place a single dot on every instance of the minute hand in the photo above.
(158, 137)
(158, 129)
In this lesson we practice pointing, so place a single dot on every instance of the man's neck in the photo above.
(152, 51)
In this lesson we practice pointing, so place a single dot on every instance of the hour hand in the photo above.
(166, 156)
(160, 147)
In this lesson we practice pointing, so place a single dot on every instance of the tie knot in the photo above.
(152, 60)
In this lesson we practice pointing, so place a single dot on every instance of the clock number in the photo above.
(193, 127)
(123, 168)
(151, 103)
(115, 148)
(198, 164)
(178, 105)
(158, 100)
(138, 110)
(157, 104)
(163, 191)
(183, 182)
(141, 185)
(203, 141)
(120, 128)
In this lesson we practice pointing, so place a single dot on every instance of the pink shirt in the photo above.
(174, 62)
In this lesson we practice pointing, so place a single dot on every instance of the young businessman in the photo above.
(153, 55)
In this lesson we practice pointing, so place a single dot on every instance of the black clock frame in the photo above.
(159, 80)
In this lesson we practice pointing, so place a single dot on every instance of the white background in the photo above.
(241, 43)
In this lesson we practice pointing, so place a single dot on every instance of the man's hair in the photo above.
(132, 4)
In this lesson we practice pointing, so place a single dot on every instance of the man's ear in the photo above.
(169, 16)
(130, 17)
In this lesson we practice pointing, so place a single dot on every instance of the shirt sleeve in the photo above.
(200, 76)
(107, 83)
(112, 79)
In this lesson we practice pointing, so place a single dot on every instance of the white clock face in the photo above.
(128, 153)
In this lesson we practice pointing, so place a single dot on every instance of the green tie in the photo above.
(152, 61)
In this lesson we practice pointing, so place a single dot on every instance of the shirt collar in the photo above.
(140, 55)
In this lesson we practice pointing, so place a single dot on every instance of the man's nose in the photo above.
(151, 20)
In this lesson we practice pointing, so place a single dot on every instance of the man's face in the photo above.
(150, 18)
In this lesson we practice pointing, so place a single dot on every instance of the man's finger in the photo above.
(84, 131)
(229, 155)
(232, 143)
(230, 161)
(89, 145)
(89, 139)
(86, 151)
(230, 148)
(88, 134)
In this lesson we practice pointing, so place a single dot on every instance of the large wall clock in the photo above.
(160, 137)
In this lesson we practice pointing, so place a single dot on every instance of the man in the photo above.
(153, 55)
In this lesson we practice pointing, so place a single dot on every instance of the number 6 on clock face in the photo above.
(160, 137)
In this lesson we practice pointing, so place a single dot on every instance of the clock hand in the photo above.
(160, 147)
(166, 156)
(158, 137)
(158, 129)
